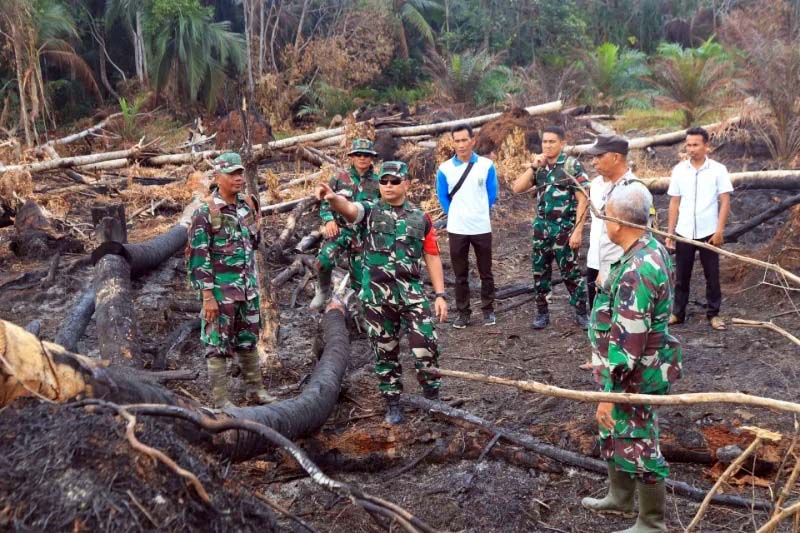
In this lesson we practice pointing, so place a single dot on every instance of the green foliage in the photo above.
(325, 101)
(130, 112)
(191, 51)
(612, 75)
(692, 80)
(644, 119)
(470, 77)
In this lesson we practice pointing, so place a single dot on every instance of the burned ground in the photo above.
(429, 464)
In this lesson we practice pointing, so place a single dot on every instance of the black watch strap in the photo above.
(440, 295)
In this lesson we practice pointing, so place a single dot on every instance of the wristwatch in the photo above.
(440, 295)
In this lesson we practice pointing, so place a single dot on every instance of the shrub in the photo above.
(612, 75)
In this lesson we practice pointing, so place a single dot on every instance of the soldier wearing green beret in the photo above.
(358, 184)
(223, 238)
(398, 238)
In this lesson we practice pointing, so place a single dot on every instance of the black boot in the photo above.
(542, 318)
(581, 317)
(431, 393)
(394, 413)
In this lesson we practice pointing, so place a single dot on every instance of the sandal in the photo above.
(674, 320)
(718, 324)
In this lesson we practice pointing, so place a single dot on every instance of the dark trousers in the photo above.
(591, 285)
(684, 261)
(459, 258)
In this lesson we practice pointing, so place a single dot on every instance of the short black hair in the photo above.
(699, 130)
(558, 130)
(463, 127)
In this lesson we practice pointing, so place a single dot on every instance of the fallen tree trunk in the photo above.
(733, 234)
(569, 457)
(301, 181)
(73, 327)
(31, 368)
(298, 266)
(276, 250)
(308, 242)
(84, 133)
(285, 207)
(786, 180)
(75, 161)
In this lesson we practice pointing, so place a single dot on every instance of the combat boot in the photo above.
(619, 499)
(581, 317)
(651, 509)
(251, 368)
(542, 318)
(431, 393)
(218, 380)
(394, 413)
(323, 292)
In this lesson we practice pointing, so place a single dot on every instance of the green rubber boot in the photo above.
(323, 293)
(619, 499)
(251, 370)
(651, 509)
(218, 380)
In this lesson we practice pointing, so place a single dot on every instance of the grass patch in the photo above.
(647, 119)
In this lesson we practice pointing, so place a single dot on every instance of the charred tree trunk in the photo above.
(76, 322)
(116, 328)
(733, 234)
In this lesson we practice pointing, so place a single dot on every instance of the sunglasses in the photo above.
(394, 180)
(361, 154)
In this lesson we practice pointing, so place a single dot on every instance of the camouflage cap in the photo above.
(362, 146)
(394, 168)
(227, 163)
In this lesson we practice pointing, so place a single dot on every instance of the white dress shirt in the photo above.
(699, 190)
(602, 252)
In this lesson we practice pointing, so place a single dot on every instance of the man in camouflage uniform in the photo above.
(398, 237)
(358, 184)
(633, 352)
(557, 229)
(223, 238)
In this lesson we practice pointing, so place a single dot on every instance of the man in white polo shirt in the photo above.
(700, 189)
(466, 186)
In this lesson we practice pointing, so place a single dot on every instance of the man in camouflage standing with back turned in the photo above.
(633, 352)
(358, 184)
(223, 238)
(558, 227)
(398, 237)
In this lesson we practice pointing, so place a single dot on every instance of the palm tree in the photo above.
(192, 52)
(411, 14)
(476, 77)
(612, 73)
(693, 80)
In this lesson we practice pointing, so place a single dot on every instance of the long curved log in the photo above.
(31, 368)
(785, 180)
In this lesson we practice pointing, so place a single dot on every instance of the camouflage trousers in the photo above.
(632, 446)
(235, 330)
(331, 249)
(551, 241)
(384, 325)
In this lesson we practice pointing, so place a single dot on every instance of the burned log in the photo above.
(733, 234)
(75, 324)
(785, 180)
(284, 207)
(36, 236)
(308, 242)
(276, 250)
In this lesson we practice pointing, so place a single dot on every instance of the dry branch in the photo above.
(624, 397)
(276, 250)
(76, 161)
(775, 520)
(158, 455)
(767, 325)
(283, 207)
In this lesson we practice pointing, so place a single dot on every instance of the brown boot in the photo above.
(218, 380)
(251, 368)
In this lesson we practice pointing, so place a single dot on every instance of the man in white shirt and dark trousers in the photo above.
(466, 186)
(609, 158)
(698, 209)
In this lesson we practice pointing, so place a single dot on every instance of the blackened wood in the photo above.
(116, 328)
(733, 234)
(74, 325)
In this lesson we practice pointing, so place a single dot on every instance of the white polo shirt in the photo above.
(602, 252)
(699, 190)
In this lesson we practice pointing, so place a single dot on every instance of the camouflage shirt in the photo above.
(556, 192)
(353, 187)
(393, 252)
(632, 350)
(221, 249)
